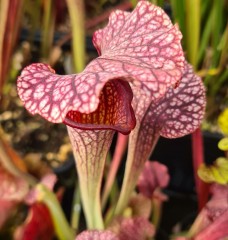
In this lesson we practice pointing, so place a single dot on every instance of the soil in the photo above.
(35, 139)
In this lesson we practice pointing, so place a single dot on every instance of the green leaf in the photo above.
(217, 173)
(178, 10)
(223, 121)
(217, 22)
(223, 144)
(192, 29)
(204, 41)
(48, 28)
(76, 12)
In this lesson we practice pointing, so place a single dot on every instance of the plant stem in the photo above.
(156, 212)
(217, 30)
(48, 28)
(3, 19)
(76, 12)
(76, 208)
(61, 225)
(90, 150)
(193, 34)
(205, 38)
(10, 15)
(179, 15)
(133, 168)
(198, 159)
(121, 146)
(192, 29)
(90, 195)
(90, 23)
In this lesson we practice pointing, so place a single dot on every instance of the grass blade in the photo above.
(192, 29)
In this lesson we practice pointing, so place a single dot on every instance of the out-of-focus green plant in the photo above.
(123, 56)
(48, 27)
(198, 42)
(218, 172)
(223, 121)
(76, 12)
(10, 14)
(205, 39)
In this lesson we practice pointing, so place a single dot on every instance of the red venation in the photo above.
(114, 110)
(142, 48)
